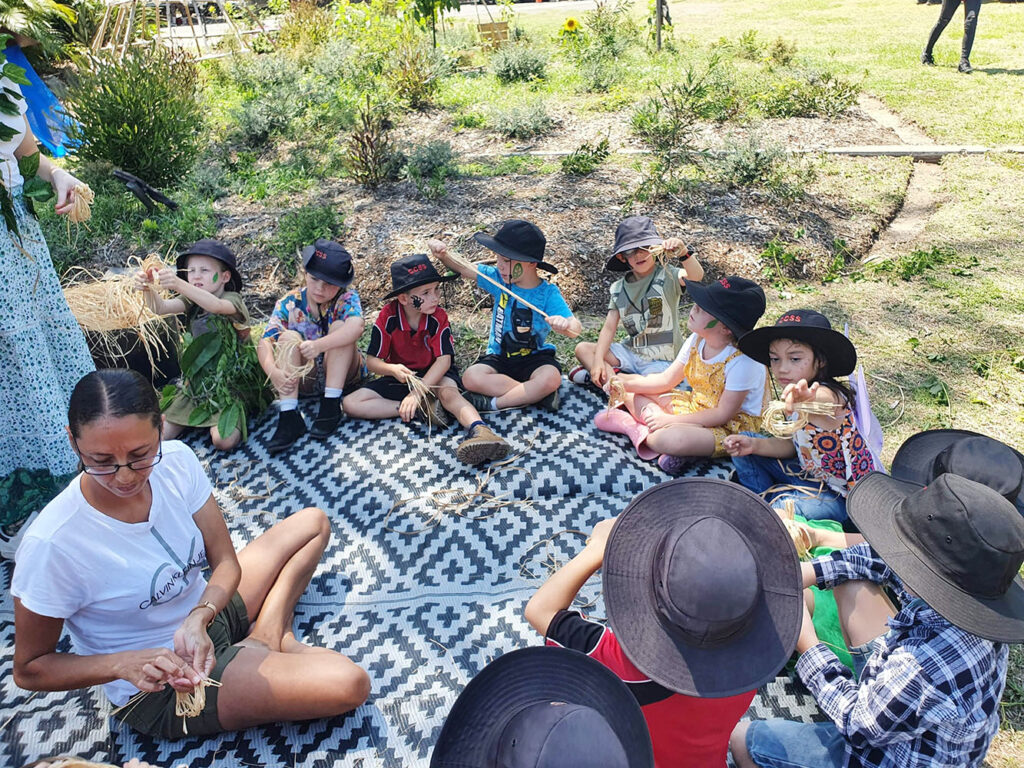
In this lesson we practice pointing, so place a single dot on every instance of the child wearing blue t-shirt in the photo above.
(519, 367)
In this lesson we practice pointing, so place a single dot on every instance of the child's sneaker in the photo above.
(290, 427)
(550, 402)
(481, 445)
(439, 417)
(327, 419)
(675, 465)
(482, 403)
(579, 375)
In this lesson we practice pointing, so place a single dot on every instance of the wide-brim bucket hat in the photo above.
(926, 455)
(518, 240)
(632, 232)
(412, 271)
(214, 249)
(806, 326)
(702, 587)
(525, 692)
(736, 302)
(955, 543)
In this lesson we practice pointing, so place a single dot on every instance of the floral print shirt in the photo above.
(839, 457)
(293, 313)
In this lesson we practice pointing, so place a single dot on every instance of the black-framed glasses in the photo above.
(138, 465)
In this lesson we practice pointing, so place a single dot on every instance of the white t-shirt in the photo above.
(8, 162)
(119, 586)
(742, 374)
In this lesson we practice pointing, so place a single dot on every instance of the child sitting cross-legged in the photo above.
(323, 322)
(208, 284)
(929, 676)
(412, 337)
(702, 592)
(645, 301)
(728, 388)
(825, 458)
(519, 367)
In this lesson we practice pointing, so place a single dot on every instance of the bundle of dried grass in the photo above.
(285, 351)
(81, 211)
(797, 532)
(775, 420)
(107, 307)
(424, 398)
(616, 393)
(191, 703)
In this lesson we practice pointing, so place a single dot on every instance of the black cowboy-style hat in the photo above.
(328, 261)
(544, 707)
(412, 271)
(632, 232)
(926, 455)
(809, 327)
(702, 587)
(955, 543)
(215, 249)
(736, 302)
(519, 240)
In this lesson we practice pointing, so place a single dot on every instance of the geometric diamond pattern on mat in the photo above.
(422, 612)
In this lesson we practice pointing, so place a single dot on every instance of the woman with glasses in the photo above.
(117, 559)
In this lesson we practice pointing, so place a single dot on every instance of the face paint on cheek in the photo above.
(216, 277)
(710, 325)
(517, 271)
(416, 301)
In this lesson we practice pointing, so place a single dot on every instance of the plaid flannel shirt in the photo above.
(928, 696)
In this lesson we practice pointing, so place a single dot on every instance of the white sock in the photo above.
(494, 403)
(332, 392)
(288, 404)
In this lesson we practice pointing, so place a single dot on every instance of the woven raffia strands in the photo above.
(107, 307)
(774, 420)
(285, 350)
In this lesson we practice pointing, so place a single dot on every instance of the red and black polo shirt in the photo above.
(686, 731)
(394, 341)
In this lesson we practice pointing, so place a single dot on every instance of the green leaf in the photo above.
(36, 189)
(167, 395)
(29, 165)
(230, 418)
(198, 415)
(199, 353)
(15, 73)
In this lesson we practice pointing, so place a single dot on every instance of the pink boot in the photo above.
(622, 423)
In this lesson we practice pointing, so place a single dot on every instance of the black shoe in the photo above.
(965, 67)
(327, 419)
(550, 402)
(927, 59)
(290, 427)
(482, 403)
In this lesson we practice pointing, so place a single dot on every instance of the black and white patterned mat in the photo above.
(422, 612)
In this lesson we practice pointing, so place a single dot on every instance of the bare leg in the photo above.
(585, 351)
(831, 539)
(863, 611)
(276, 569)
(682, 440)
(295, 357)
(367, 404)
(262, 686)
(341, 366)
(225, 444)
(456, 404)
(172, 431)
(738, 746)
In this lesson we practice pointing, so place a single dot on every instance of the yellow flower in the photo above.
(571, 25)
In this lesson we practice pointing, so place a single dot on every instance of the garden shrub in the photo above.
(301, 227)
(518, 63)
(411, 73)
(372, 157)
(429, 165)
(586, 158)
(522, 121)
(610, 27)
(781, 52)
(756, 162)
(144, 113)
(807, 93)
(305, 29)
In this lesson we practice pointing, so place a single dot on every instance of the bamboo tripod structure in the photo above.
(127, 23)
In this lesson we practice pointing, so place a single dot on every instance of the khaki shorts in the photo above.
(153, 713)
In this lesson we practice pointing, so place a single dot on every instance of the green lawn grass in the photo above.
(879, 43)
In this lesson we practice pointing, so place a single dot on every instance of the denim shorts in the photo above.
(861, 653)
(790, 744)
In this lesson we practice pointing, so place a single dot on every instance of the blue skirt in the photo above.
(42, 354)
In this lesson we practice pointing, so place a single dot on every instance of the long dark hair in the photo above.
(824, 378)
(112, 392)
